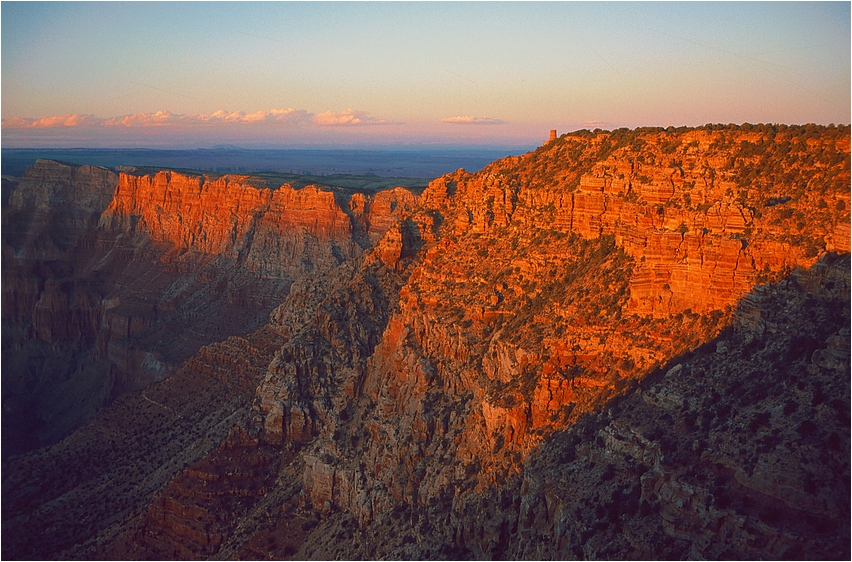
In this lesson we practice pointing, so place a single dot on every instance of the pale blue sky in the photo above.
(480, 72)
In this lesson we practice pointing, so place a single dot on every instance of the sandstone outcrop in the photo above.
(703, 459)
(377, 213)
(701, 221)
(198, 510)
(53, 205)
(667, 466)
(229, 217)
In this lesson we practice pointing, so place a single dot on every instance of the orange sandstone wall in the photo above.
(211, 215)
(702, 220)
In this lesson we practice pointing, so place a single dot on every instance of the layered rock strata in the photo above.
(553, 281)
(737, 449)
(111, 281)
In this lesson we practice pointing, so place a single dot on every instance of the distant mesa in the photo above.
(226, 147)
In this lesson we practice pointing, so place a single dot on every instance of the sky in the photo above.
(314, 74)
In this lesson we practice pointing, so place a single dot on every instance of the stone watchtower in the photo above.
(552, 136)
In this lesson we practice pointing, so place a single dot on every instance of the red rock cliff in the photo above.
(218, 216)
(553, 280)
(705, 213)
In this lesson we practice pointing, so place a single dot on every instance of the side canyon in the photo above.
(628, 344)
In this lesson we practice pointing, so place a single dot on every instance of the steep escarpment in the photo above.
(527, 309)
(53, 205)
(231, 218)
(705, 213)
(112, 281)
(624, 344)
(48, 214)
(738, 449)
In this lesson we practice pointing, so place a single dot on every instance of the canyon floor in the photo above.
(629, 344)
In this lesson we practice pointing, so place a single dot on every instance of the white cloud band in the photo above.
(348, 118)
(289, 116)
(469, 120)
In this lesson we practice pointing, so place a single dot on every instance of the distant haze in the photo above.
(422, 163)
(330, 74)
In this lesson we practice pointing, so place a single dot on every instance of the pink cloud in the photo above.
(348, 118)
(288, 116)
(223, 116)
(17, 123)
(52, 122)
(469, 120)
(144, 119)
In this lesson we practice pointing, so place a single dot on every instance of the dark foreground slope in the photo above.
(739, 451)
(622, 345)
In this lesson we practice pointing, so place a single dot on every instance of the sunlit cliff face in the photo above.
(551, 281)
(433, 354)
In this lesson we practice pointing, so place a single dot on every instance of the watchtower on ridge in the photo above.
(552, 136)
